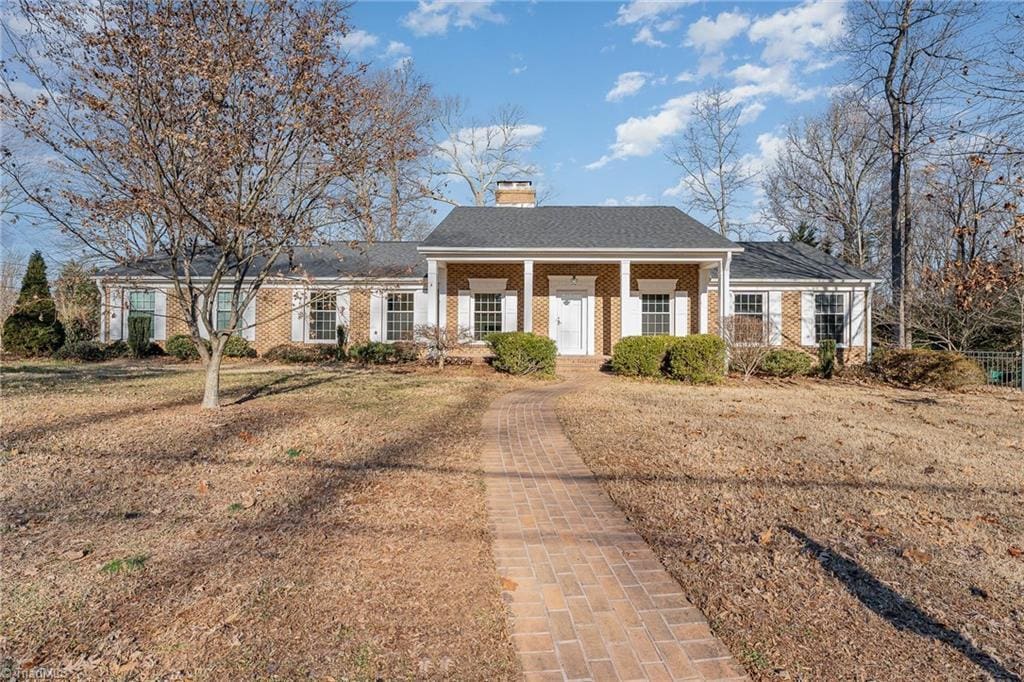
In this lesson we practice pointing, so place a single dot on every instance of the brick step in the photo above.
(581, 361)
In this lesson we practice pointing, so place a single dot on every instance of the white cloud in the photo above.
(516, 70)
(627, 84)
(793, 33)
(750, 113)
(642, 135)
(753, 80)
(630, 200)
(433, 17)
(686, 77)
(357, 41)
(642, 11)
(769, 146)
(645, 36)
(710, 64)
(397, 49)
(527, 134)
(710, 35)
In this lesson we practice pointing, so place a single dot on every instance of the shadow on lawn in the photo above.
(899, 611)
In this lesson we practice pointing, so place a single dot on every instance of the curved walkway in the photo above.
(589, 600)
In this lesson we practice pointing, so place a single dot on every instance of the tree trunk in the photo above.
(211, 390)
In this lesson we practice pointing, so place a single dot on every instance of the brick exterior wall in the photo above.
(273, 304)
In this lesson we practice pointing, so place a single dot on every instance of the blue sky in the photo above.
(610, 83)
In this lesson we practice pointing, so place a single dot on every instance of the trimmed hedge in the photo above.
(82, 351)
(374, 353)
(522, 353)
(181, 347)
(698, 359)
(786, 363)
(920, 367)
(295, 354)
(237, 347)
(641, 356)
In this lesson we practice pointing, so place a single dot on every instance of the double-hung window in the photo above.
(223, 320)
(830, 318)
(399, 317)
(655, 314)
(142, 304)
(487, 315)
(748, 313)
(323, 316)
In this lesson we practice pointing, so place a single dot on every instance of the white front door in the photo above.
(571, 337)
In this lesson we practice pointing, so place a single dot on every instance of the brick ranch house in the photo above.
(584, 276)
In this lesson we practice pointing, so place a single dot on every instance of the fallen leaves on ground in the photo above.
(367, 557)
(828, 530)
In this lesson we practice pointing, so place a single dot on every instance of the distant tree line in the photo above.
(915, 171)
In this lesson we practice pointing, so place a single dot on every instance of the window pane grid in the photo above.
(323, 316)
(399, 317)
(829, 318)
(655, 314)
(142, 304)
(224, 310)
(487, 315)
(748, 318)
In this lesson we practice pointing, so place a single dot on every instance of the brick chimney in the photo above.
(516, 193)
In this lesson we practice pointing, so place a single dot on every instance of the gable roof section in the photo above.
(340, 260)
(791, 261)
(573, 227)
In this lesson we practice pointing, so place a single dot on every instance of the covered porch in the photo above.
(584, 301)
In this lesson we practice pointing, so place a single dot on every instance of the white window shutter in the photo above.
(633, 313)
(420, 303)
(509, 311)
(376, 316)
(249, 320)
(115, 315)
(204, 333)
(807, 318)
(299, 297)
(159, 315)
(856, 318)
(465, 312)
(344, 301)
(775, 317)
(682, 313)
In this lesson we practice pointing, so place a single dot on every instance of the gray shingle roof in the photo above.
(573, 227)
(345, 259)
(790, 260)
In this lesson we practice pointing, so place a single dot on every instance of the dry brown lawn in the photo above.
(828, 530)
(330, 524)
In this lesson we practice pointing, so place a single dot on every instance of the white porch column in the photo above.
(623, 297)
(703, 276)
(442, 294)
(433, 318)
(723, 292)
(528, 296)
(867, 323)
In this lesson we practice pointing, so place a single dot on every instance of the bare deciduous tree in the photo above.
(389, 197)
(479, 153)
(714, 173)
(906, 53)
(829, 174)
(200, 143)
(442, 341)
(748, 340)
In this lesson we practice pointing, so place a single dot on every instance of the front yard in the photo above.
(828, 531)
(325, 524)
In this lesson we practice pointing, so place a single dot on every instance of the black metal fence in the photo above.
(1001, 369)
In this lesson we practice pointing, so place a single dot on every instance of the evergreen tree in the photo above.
(33, 327)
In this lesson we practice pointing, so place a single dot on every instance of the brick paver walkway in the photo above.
(589, 600)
